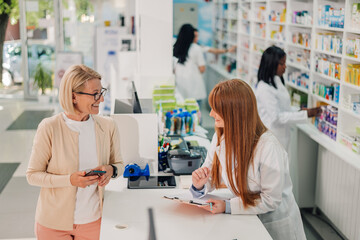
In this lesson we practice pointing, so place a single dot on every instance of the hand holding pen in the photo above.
(215, 206)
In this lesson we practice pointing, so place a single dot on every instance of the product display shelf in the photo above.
(244, 49)
(352, 58)
(230, 56)
(272, 41)
(353, 30)
(321, 99)
(299, 25)
(298, 46)
(226, 21)
(222, 71)
(248, 29)
(328, 53)
(349, 112)
(258, 38)
(294, 86)
(333, 146)
(349, 85)
(297, 66)
(257, 21)
(277, 23)
(327, 77)
(259, 54)
(244, 34)
(329, 28)
(312, 25)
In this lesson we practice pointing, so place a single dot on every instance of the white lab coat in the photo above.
(189, 80)
(275, 110)
(269, 175)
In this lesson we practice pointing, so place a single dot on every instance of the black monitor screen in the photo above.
(136, 102)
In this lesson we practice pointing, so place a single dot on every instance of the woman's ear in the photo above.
(74, 98)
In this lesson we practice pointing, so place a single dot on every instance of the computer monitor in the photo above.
(136, 102)
(125, 106)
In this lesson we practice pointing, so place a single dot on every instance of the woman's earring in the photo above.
(75, 102)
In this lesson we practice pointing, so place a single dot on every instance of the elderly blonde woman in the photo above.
(65, 145)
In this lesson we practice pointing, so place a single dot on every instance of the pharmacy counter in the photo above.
(125, 216)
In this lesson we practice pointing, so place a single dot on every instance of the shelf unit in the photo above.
(256, 30)
(255, 34)
(225, 25)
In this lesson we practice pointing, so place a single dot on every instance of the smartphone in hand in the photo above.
(94, 173)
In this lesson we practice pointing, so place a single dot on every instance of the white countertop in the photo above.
(173, 220)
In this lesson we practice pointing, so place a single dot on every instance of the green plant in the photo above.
(42, 78)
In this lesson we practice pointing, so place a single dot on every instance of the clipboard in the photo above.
(196, 202)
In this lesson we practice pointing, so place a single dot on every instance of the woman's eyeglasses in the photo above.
(96, 96)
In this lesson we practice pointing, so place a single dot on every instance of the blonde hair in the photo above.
(235, 103)
(74, 80)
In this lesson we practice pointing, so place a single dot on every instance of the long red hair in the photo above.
(234, 101)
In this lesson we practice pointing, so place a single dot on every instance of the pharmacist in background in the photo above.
(189, 63)
(273, 99)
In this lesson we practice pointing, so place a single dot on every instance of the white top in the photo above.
(269, 176)
(189, 81)
(87, 207)
(275, 110)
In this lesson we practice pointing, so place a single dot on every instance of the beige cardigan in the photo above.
(55, 156)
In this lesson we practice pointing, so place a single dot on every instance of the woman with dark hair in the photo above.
(273, 98)
(190, 63)
(250, 161)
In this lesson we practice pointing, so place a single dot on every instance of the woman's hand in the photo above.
(199, 177)
(78, 179)
(313, 112)
(216, 206)
(104, 179)
(231, 49)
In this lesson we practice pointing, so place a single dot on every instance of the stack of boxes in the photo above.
(164, 97)
(352, 74)
(327, 121)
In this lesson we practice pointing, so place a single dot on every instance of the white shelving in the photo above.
(330, 28)
(357, 88)
(328, 53)
(299, 25)
(301, 89)
(298, 46)
(334, 80)
(256, 28)
(351, 113)
(352, 58)
(321, 99)
(298, 66)
(302, 26)
(226, 21)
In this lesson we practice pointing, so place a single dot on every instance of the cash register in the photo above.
(183, 159)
